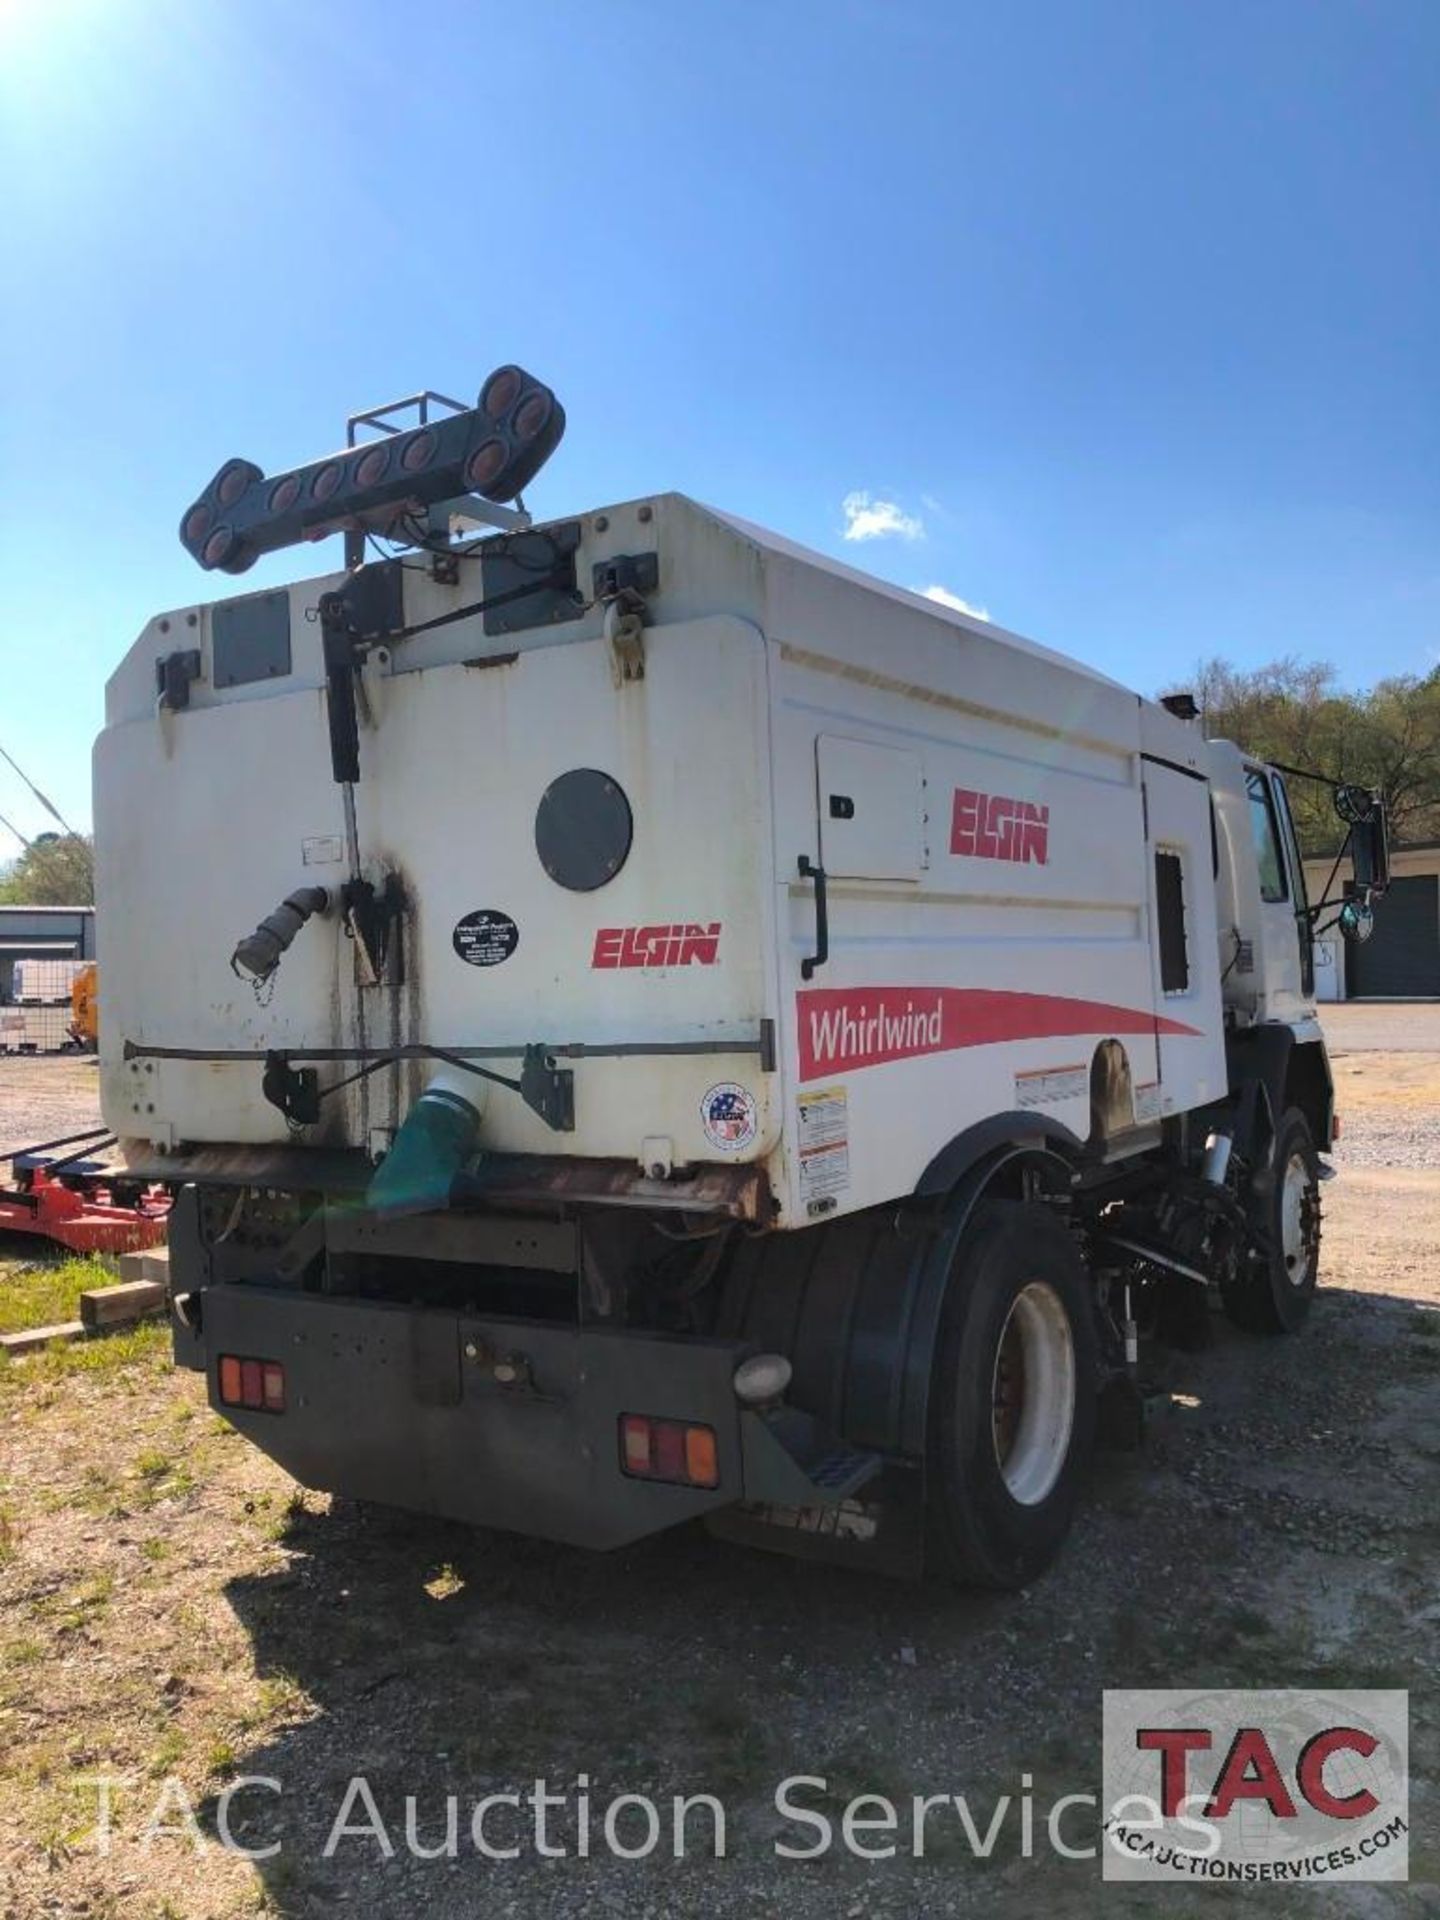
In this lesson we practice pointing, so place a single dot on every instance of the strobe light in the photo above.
(494, 448)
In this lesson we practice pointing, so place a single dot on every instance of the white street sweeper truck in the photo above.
(647, 1022)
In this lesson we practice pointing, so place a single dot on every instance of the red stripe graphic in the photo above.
(842, 1028)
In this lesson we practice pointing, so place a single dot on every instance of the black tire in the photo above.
(980, 1532)
(1272, 1291)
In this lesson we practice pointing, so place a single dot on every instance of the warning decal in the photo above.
(824, 1148)
(1039, 1088)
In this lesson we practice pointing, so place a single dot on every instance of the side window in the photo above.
(1282, 800)
(1170, 921)
(1267, 836)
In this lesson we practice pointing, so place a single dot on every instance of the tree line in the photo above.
(54, 870)
(1295, 712)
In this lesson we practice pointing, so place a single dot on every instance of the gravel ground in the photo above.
(1382, 1026)
(1380, 1139)
(46, 1097)
(169, 1608)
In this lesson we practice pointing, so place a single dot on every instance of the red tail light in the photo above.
(485, 464)
(531, 416)
(502, 390)
(233, 482)
(419, 450)
(327, 480)
(675, 1451)
(371, 467)
(256, 1385)
(285, 493)
(217, 548)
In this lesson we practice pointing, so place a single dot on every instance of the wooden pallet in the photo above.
(141, 1295)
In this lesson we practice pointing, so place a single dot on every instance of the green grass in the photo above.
(48, 1292)
(147, 1345)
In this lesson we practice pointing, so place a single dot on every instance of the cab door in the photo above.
(1282, 969)
(1299, 899)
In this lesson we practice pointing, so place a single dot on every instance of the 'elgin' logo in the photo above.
(682, 945)
(990, 827)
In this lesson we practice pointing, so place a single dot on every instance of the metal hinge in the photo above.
(620, 586)
(173, 674)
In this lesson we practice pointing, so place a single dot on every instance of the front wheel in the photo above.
(1012, 1398)
(1273, 1290)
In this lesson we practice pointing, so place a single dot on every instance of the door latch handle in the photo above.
(809, 871)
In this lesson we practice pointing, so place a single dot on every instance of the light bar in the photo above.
(495, 448)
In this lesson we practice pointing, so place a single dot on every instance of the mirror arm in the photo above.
(1324, 901)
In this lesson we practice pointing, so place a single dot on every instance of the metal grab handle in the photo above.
(808, 871)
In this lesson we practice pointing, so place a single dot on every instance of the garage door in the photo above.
(1402, 956)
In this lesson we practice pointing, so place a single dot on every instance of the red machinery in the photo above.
(79, 1200)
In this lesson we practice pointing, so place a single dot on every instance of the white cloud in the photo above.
(948, 599)
(867, 519)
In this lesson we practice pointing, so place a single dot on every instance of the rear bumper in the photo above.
(404, 1407)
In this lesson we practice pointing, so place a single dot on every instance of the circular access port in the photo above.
(583, 829)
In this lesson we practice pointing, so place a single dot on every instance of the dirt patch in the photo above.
(172, 1610)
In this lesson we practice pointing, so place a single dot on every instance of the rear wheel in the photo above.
(1272, 1292)
(1012, 1398)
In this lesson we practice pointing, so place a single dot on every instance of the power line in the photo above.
(48, 805)
(11, 827)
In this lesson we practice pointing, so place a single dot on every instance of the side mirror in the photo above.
(1357, 920)
(1353, 803)
(1370, 849)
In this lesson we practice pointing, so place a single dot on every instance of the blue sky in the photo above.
(1115, 317)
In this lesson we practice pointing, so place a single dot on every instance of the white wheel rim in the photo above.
(1294, 1194)
(1032, 1393)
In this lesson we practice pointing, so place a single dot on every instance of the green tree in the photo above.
(55, 870)
(1294, 712)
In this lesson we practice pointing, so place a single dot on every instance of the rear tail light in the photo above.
(502, 390)
(531, 416)
(419, 450)
(675, 1451)
(323, 486)
(217, 548)
(485, 465)
(371, 467)
(256, 1385)
(233, 481)
(285, 493)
